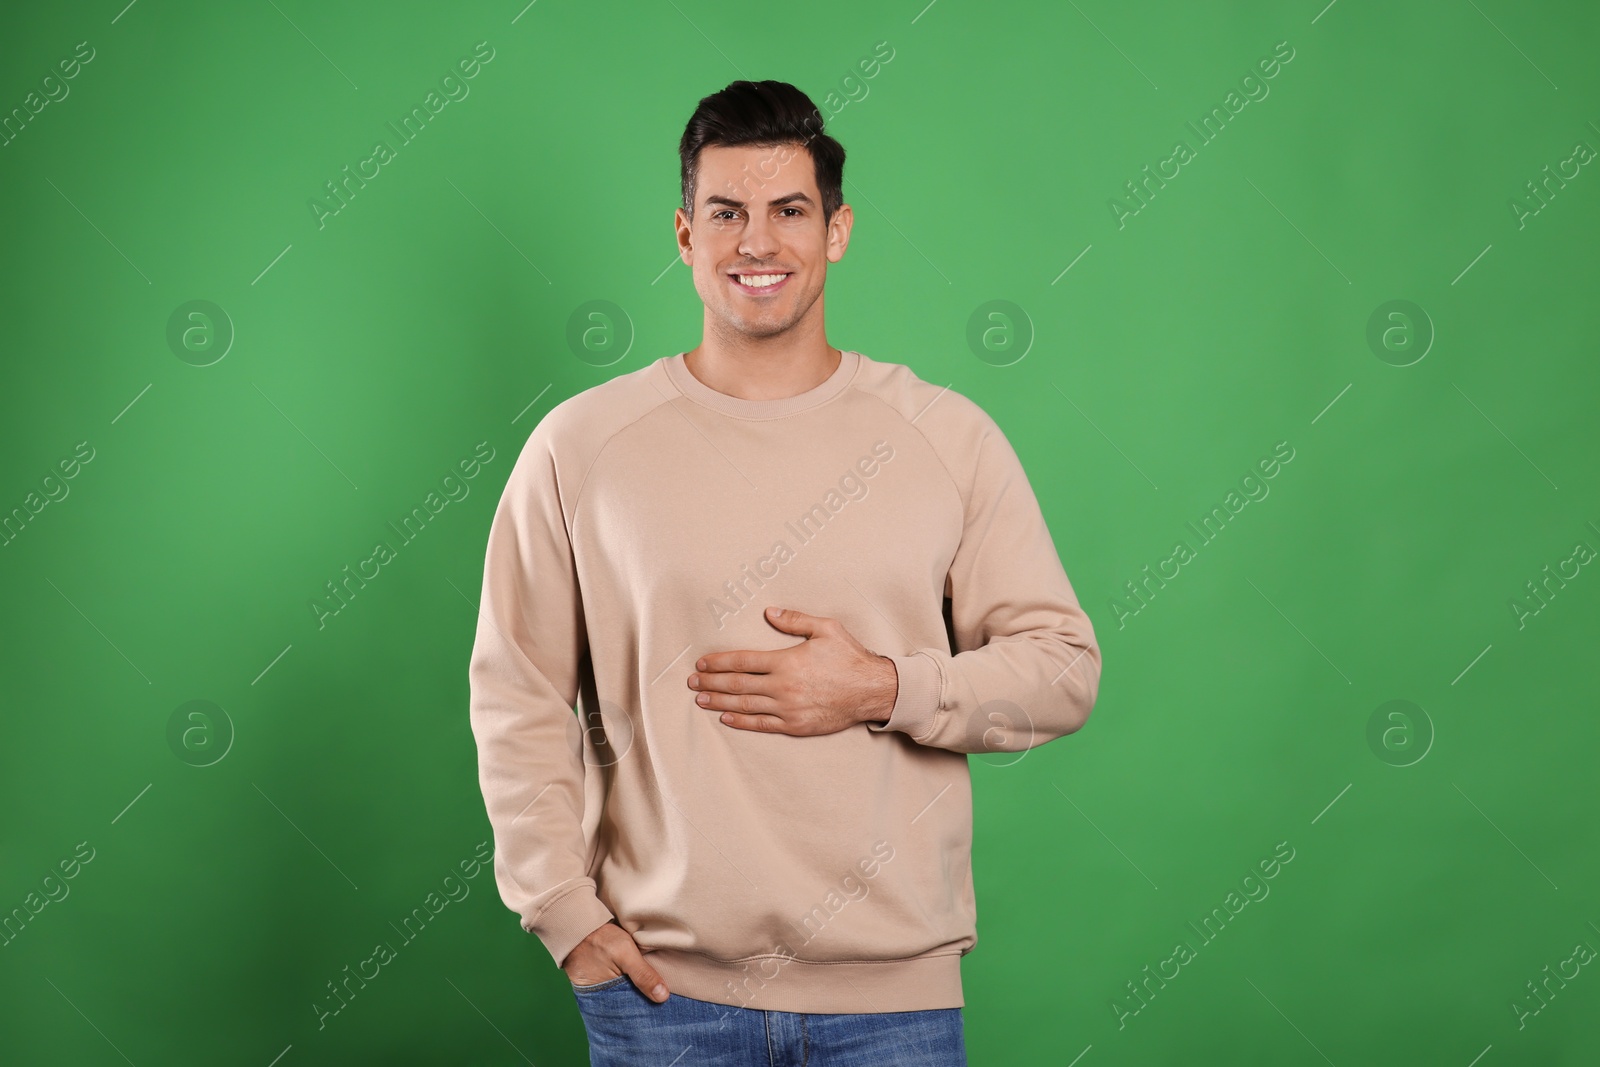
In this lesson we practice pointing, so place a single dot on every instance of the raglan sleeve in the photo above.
(1027, 665)
(523, 681)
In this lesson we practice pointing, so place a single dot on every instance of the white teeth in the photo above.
(760, 281)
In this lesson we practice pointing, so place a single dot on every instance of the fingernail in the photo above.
(659, 992)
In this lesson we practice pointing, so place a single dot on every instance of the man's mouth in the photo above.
(758, 284)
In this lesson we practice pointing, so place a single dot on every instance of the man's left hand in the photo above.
(822, 685)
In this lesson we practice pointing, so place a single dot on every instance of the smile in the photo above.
(758, 284)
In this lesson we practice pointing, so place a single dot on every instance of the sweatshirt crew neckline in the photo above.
(701, 393)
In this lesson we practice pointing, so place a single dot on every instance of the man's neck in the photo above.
(763, 373)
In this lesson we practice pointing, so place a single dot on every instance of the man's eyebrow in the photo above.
(792, 198)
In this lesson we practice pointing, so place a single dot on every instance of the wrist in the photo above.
(884, 692)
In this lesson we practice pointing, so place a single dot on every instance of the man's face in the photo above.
(758, 213)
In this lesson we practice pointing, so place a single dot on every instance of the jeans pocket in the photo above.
(609, 983)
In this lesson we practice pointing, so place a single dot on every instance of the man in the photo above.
(755, 845)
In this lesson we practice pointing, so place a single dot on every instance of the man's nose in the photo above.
(759, 240)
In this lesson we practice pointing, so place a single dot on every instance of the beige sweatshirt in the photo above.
(650, 520)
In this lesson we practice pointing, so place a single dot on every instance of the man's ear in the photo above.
(684, 234)
(839, 232)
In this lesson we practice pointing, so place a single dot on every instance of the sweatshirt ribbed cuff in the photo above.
(567, 920)
(917, 700)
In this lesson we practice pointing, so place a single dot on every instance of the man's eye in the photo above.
(730, 211)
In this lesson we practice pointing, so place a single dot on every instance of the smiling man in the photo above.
(753, 844)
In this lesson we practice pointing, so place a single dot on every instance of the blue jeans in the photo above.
(628, 1029)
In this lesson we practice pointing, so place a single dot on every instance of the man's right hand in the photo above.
(609, 952)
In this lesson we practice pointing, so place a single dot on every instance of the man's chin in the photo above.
(757, 329)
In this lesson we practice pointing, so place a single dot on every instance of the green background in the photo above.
(1437, 869)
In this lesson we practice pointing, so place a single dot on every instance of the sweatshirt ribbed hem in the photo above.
(774, 983)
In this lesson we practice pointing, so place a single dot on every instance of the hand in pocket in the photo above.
(610, 952)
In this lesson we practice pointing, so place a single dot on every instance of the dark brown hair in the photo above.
(764, 114)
